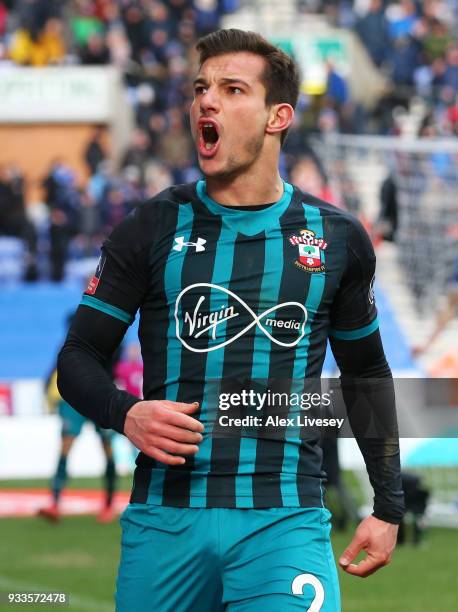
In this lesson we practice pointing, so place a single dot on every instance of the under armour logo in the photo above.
(180, 243)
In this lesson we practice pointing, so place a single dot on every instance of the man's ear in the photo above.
(281, 117)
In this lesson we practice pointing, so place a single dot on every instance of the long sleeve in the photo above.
(368, 393)
(367, 384)
(83, 379)
(108, 307)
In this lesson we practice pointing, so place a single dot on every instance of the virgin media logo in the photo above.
(201, 321)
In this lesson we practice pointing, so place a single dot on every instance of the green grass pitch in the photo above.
(80, 557)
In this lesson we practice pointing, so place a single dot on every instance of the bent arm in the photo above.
(82, 377)
(108, 307)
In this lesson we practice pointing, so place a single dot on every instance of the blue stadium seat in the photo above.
(33, 324)
(12, 252)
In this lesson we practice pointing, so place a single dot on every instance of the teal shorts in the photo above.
(236, 560)
(73, 421)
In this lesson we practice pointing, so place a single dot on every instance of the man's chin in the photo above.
(213, 169)
(210, 167)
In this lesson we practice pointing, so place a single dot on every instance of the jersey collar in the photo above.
(249, 222)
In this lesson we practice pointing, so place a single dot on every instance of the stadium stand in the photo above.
(411, 45)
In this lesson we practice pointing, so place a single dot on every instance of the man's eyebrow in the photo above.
(226, 80)
(229, 80)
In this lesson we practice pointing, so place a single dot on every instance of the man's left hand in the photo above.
(378, 539)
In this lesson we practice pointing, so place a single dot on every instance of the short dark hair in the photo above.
(281, 75)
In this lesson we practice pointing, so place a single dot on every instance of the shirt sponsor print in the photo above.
(198, 321)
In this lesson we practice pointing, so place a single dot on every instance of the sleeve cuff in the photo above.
(388, 518)
(120, 406)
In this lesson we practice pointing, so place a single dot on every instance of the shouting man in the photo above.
(238, 277)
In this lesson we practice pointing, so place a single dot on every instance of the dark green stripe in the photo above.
(267, 454)
(172, 287)
(355, 334)
(294, 448)
(246, 279)
(222, 271)
(113, 311)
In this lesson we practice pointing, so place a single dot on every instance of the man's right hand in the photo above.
(164, 430)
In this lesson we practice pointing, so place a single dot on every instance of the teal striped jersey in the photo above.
(235, 298)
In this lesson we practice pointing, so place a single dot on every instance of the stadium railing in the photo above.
(425, 173)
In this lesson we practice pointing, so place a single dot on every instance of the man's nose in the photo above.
(209, 101)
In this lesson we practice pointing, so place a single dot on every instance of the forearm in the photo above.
(372, 415)
(83, 379)
(368, 393)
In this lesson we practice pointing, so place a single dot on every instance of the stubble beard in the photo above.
(234, 166)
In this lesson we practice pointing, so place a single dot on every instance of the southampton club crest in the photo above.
(311, 251)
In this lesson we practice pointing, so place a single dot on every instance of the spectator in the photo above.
(95, 150)
(95, 51)
(158, 178)
(13, 220)
(403, 17)
(176, 145)
(450, 77)
(405, 60)
(63, 200)
(387, 222)
(139, 151)
(416, 500)
(39, 48)
(157, 127)
(307, 176)
(336, 87)
(207, 15)
(90, 230)
(136, 29)
(33, 14)
(349, 115)
(85, 22)
(145, 107)
(121, 197)
(101, 181)
(118, 45)
(436, 40)
(3, 17)
(373, 31)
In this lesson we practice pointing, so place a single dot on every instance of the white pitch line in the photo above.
(83, 603)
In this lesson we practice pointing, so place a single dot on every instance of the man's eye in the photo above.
(200, 89)
(235, 90)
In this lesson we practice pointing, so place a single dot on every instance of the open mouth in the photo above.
(209, 138)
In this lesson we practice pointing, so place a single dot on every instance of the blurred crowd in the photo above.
(414, 43)
(152, 43)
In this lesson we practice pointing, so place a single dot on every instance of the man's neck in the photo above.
(246, 189)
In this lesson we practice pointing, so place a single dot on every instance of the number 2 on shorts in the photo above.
(298, 589)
